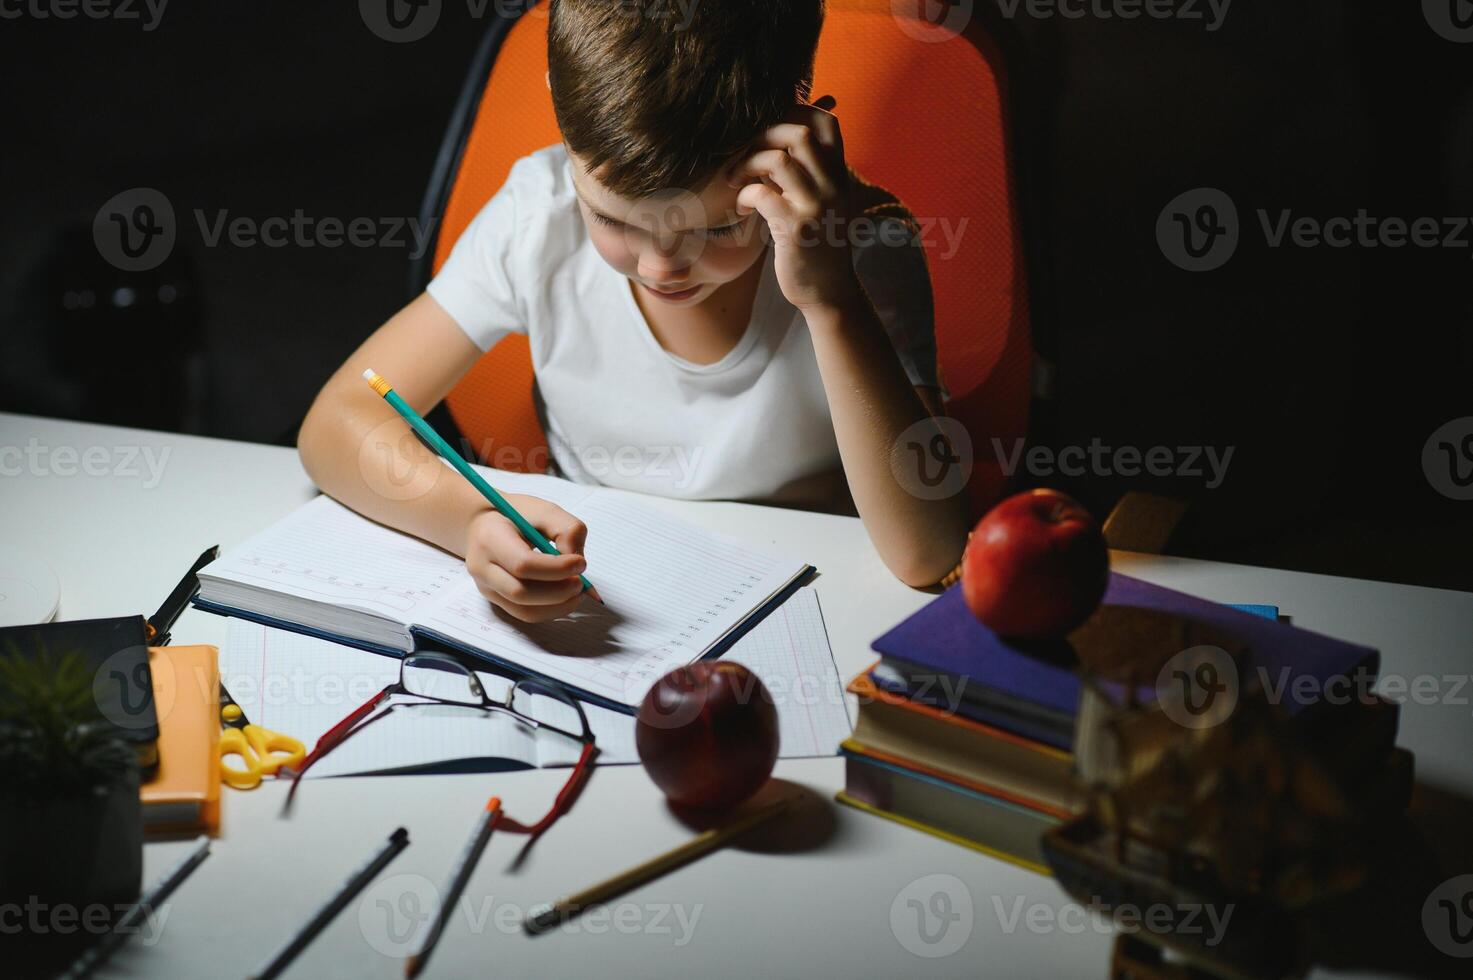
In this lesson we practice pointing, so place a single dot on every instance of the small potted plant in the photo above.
(69, 808)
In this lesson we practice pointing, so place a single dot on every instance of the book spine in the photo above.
(853, 747)
(1041, 774)
(966, 817)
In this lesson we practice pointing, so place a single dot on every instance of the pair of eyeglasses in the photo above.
(438, 680)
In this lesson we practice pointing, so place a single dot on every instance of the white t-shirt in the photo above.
(619, 409)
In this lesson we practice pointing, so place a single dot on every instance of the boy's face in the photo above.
(679, 248)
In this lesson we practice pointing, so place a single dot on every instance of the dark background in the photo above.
(1326, 369)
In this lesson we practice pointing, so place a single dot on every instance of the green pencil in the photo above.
(534, 537)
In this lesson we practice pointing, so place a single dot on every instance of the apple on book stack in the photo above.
(967, 722)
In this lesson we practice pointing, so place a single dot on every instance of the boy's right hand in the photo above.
(517, 577)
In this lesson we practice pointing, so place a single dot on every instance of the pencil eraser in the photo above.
(369, 374)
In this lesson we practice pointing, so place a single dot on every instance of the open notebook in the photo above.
(303, 686)
(674, 592)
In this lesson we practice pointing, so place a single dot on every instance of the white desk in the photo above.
(119, 543)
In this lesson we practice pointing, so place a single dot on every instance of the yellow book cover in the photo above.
(185, 794)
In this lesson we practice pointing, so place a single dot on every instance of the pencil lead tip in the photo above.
(540, 918)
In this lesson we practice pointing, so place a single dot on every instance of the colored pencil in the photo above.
(534, 537)
(547, 916)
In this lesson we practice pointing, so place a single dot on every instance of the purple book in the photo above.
(944, 644)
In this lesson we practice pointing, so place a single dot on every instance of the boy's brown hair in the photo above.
(663, 93)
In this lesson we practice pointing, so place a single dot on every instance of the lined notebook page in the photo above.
(789, 651)
(672, 590)
(327, 553)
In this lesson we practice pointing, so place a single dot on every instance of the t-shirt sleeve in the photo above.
(475, 285)
(891, 265)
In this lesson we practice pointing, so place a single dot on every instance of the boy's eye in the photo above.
(725, 231)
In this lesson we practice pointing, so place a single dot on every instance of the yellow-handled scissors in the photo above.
(262, 750)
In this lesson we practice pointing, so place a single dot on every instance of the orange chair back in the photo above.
(924, 115)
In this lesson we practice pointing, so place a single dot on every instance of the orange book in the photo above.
(185, 794)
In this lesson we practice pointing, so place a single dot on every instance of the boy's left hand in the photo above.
(798, 182)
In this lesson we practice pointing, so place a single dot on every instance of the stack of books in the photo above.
(955, 777)
(968, 736)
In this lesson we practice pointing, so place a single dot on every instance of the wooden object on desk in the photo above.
(1143, 522)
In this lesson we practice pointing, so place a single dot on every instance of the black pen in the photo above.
(161, 622)
(398, 840)
(141, 909)
(480, 835)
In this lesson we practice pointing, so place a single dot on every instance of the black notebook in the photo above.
(122, 683)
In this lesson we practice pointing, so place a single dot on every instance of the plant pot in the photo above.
(74, 851)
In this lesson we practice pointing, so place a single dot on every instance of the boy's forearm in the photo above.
(872, 403)
(358, 450)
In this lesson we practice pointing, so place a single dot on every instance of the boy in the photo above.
(728, 324)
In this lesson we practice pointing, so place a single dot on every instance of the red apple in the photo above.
(707, 734)
(1036, 566)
